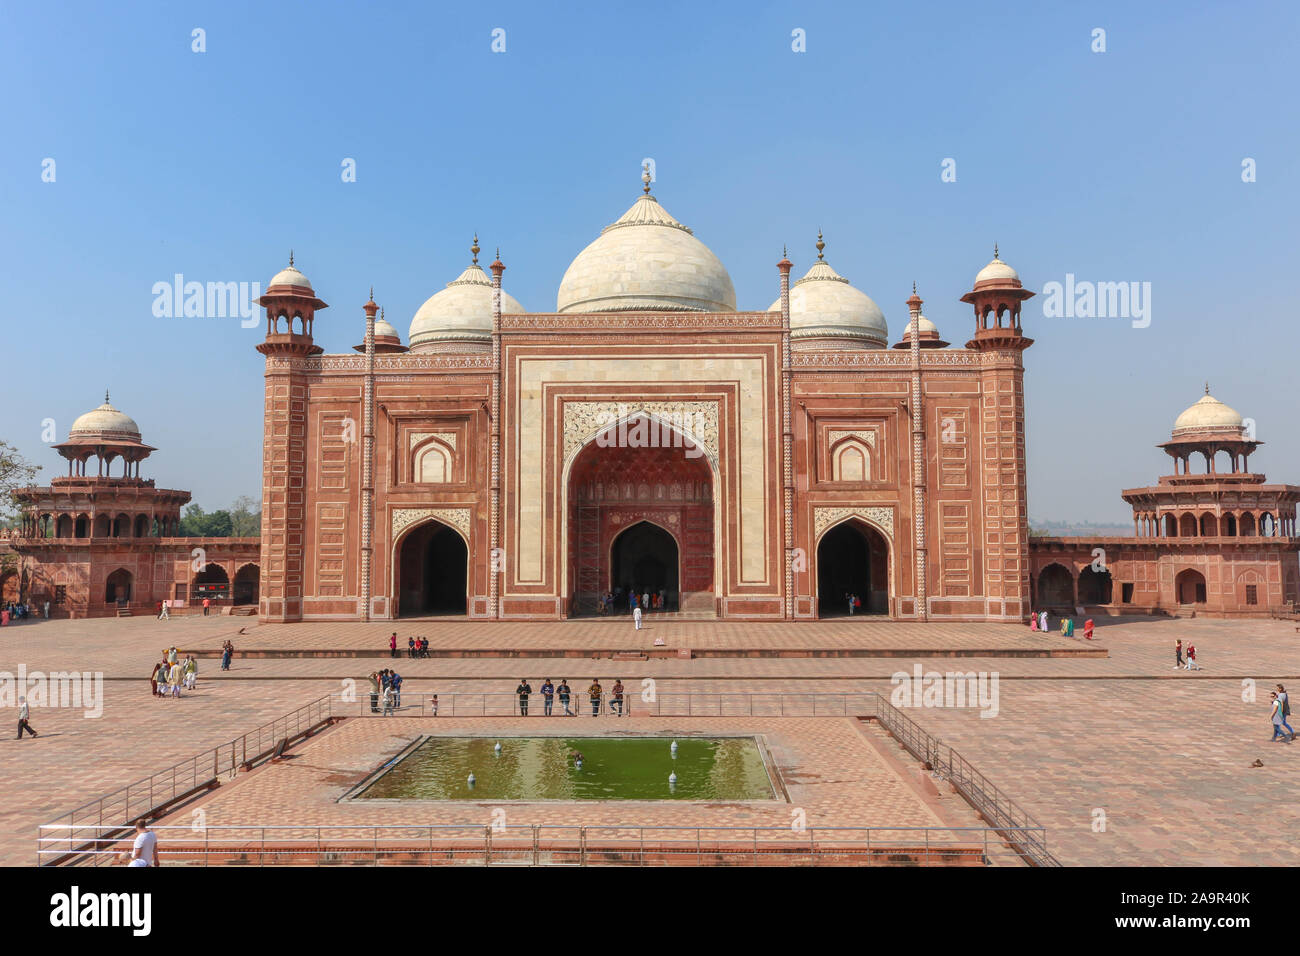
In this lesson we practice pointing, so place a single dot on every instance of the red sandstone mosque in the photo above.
(647, 435)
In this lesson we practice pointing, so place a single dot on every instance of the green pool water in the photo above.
(543, 768)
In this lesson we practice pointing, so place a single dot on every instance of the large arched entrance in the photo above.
(117, 589)
(432, 568)
(1095, 587)
(640, 507)
(643, 558)
(852, 561)
(1189, 587)
(1055, 588)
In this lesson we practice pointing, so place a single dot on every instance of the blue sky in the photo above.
(1117, 166)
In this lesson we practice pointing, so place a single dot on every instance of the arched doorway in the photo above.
(1095, 587)
(1055, 587)
(432, 568)
(117, 589)
(247, 582)
(638, 471)
(852, 559)
(212, 583)
(644, 558)
(1189, 587)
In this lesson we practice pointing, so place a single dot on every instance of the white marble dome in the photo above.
(459, 315)
(290, 276)
(105, 422)
(1208, 414)
(646, 261)
(823, 305)
(996, 271)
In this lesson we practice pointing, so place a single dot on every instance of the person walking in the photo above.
(563, 693)
(395, 682)
(227, 651)
(548, 697)
(645, 600)
(190, 672)
(174, 680)
(388, 700)
(374, 691)
(1276, 717)
(47, 609)
(392, 645)
(523, 690)
(1192, 665)
(616, 702)
(853, 600)
(594, 692)
(23, 713)
(166, 610)
(1178, 653)
(1285, 698)
(153, 679)
(1042, 621)
(636, 616)
(159, 610)
(207, 603)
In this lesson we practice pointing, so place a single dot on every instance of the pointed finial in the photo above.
(1207, 389)
(820, 245)
(474, 248)
(290, 257)
(913, 287)
(498, 252)
(645, 178)
(995, 250)
(381, 313)
(106, 396)
(372, 293)
(784, 253)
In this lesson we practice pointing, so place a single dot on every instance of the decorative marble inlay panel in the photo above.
(447, 438)
(867, 435)
(458, 518)
(882, 518)
(583, 421)
(710, 321)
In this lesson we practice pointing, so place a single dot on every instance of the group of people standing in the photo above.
(611, 602)
(1038, 622)
(171, 674)
(549, 691)
(386, 688)
(17, 611)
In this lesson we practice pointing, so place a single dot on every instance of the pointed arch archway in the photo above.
(640, 469)
(431, 570)
(1189, 587)
(117, 587)
(854, 558)
(645, 557)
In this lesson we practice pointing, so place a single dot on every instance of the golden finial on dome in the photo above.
(645, 178)
(106, 396)
(474, 248)
(1207, 388)
(820, 246)
(290, 257)
(995, 250)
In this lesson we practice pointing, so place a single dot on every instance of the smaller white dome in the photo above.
(925, 324)
(996, 270)
(291, 276)
(105, 421)
(823, 305)
(384, 328)
(460, 313)
(1208, 414)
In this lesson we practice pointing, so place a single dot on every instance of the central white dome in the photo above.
(647, 261)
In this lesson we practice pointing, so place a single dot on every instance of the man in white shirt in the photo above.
(145, 851)
(23, 713)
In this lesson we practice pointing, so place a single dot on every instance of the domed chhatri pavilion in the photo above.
(1213, 537)
(106, 541)
(648, 435)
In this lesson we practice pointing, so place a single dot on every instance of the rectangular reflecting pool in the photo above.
(549, 768)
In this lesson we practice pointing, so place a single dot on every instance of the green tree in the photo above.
(246, 517)
(15, 472)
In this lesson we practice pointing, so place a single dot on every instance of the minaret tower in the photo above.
(291, 306)
(997, 298)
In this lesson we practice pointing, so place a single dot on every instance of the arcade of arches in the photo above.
(432, 571)
(638, 516)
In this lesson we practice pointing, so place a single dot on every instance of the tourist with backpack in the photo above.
(1286, 708)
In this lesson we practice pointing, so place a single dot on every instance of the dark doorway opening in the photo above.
(643, 558)
(434, 564)
(852, 559)
(1055, 588)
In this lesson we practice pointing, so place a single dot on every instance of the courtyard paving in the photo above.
(1165, 754)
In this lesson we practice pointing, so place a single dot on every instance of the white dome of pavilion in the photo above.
(105, 422)
(823, 305)
(1208, 414)
(460, 315)
(646, 261)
